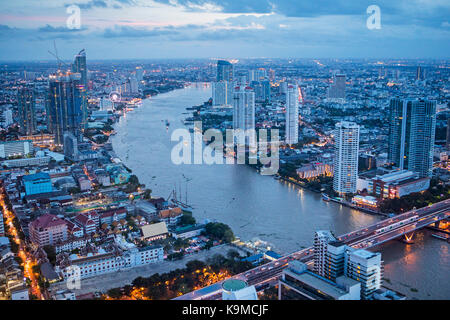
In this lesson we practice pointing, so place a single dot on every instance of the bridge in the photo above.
(401, 225)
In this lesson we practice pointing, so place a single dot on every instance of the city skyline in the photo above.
(231, 29)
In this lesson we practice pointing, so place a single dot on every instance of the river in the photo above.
(260, 207)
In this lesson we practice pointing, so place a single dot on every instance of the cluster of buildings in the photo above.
(339, 272)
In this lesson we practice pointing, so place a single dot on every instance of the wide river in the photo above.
(260, 207)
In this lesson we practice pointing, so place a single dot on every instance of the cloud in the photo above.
(49, 28)
(130, 32)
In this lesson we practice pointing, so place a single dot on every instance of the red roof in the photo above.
(47, 221)
(83, 220)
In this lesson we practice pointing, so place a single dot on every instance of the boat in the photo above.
(439, 236)
(325, 197)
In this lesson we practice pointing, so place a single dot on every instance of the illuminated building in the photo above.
(292, 115)
(222, 93)
(26, 108)
(365, 267)
(412, 125)
(298, 283)
(16, 148)
(346, 157)
(65, 103)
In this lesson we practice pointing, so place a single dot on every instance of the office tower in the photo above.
(225, 71)
(244, 115)
(283, 87)
(262, 90)
(346, 157)
(26, 108)
(292, 115)
(365, 267)
(336, 92)
(412, 125)
(79, 66)
(271, 74)
(321, 240)
(64, 105)
(70, 146)
(222, 93)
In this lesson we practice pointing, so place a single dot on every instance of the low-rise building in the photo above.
(48, 229)
(154, 231)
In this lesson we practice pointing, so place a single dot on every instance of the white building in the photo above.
(222, 93)
(346, 157)
(106, 262)
(365, 267)
(234, 289)
(321, 240)
(16, 148)
(244, 116)
(292, 115)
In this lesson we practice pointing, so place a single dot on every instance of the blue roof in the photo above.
(254, 258)
(273, 254)
(39, 175)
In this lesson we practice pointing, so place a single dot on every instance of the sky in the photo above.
(150, 29)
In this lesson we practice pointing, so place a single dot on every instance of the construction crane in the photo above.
(55, 54)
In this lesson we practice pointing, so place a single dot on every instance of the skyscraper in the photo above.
(244, 115)
(292, 115)
(222, 93)
(346, 157)
(64, 105)
(336, 92)
(26, 107)
(79, 66)
(412, 125)
(225, 71)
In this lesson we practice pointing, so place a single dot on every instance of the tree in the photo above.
(147, 194)
(187, 219)
(219, 231)
(193, 265)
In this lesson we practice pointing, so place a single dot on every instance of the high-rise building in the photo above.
(412, 125)
(222, 93)
(346, 157)
(244, 115)
(26, 108)
(225, 71)
(321, 240)
(365, 267)
(420, 74)
(139, 73)
(336, 92)
(70, 146)
(79, 66)
(65, 105)
(292, 115)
